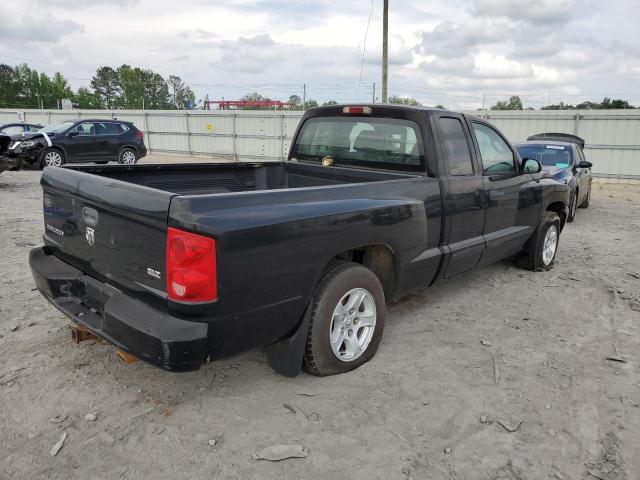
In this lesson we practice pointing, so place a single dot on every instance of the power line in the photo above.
(364, 50)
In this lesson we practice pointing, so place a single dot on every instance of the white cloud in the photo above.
(440, 52)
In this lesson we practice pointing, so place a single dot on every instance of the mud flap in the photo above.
(286, 355)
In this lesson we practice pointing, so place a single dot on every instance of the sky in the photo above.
(457, 53)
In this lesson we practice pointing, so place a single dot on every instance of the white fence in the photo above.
(612, 136)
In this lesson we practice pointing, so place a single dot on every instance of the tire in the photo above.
(51, 157)
(587, 200)
(354, 341)
(540, 251)
(573, 206)
(127, 156)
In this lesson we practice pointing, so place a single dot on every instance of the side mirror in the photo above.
(585, 164)
(72, 133)
(531, 165)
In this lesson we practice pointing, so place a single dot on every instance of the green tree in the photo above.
(105, 85)
(87, 99)
(60, 88)
(403, 100)
(442, 107)
(514, 103)
(330, 102)
(9, 89)
(181, 92)
(296, 102)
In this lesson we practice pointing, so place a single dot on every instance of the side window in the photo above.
(122, 128)
(14, 130)
(107, 129)
(496, 155)
(85, 129)
(33, 128)
(456, 148)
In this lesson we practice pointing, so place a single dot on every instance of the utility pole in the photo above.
(484, 97)
(304, 97)
(373, 95)
(385, 49)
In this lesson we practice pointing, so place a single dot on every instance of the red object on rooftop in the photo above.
(228, 104)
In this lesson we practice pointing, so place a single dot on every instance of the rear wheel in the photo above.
(347, 320)
(540, 251)
(51, 157)
(127, 156)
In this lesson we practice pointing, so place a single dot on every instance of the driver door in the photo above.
(511, 210)
(81, 144)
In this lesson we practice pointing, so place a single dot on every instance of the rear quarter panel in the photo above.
(273, 246)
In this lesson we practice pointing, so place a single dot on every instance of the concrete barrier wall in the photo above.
(612, 136)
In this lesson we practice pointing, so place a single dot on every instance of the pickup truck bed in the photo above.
(198, 179)
(126, 247)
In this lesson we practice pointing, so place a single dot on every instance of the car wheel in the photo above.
(347, 320)
(587, 200)
(540, 251)
(573, 206)
(51, 157)
(127, 156)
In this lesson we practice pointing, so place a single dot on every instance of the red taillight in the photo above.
(357, 110)
(191, 267)
(139, 134)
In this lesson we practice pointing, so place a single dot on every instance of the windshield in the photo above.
(373, 142)
(560, 156)
(57, 127)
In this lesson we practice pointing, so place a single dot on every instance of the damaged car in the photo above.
(7, 130)
(78, 141)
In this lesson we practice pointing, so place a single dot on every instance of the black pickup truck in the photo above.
(181, 265)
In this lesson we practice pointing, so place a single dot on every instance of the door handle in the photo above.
(493, 194)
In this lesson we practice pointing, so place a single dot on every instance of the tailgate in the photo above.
(110, 229)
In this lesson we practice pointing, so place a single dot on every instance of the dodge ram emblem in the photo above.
(90, 236)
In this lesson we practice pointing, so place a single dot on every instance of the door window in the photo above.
(457, 152)
(15, 130)
(497, 157)
(85, 129)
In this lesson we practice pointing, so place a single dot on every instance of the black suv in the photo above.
(79, 141)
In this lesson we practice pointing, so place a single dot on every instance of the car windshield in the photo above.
(372, 142)
(560, 156)
(57, 127)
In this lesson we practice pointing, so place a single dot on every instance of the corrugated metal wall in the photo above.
(612, 136)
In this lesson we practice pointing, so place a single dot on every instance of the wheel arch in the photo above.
(131, 146)
(560, 208)
(377, 257)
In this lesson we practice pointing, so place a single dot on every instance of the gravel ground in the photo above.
(497, 374)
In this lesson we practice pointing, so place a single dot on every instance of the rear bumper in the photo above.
(146, 332)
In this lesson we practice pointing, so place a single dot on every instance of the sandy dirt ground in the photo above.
(497, 374)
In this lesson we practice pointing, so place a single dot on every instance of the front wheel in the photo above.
(347, 320)
(587, 199)
(540, 251)
(51, 158)
(127, 156)
(573, 206)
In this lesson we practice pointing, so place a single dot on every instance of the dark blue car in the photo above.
(562, 157)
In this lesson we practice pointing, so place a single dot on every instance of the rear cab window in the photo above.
(388, 143)
(455, 145)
